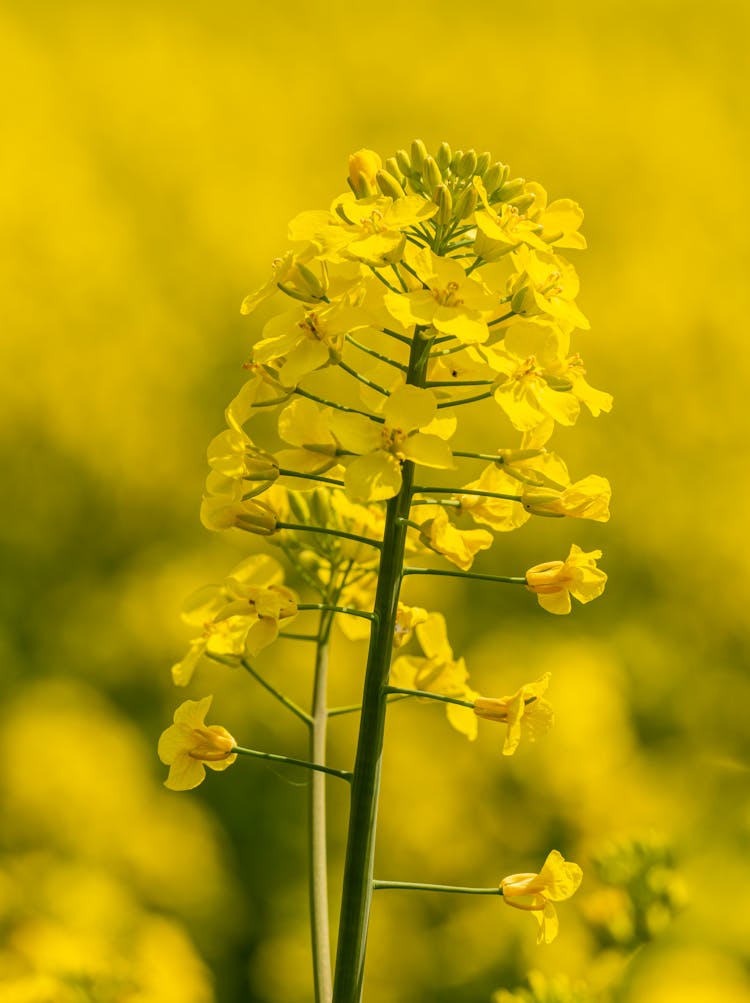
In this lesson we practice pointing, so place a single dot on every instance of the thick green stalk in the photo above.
(358, 869)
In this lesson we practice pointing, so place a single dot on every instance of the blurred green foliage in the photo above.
(153, 154)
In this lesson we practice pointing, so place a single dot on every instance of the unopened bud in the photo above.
(404, 163)
(523, 202)
(456, 160)
(444, 201)
(299, 507)
(509, 189)
(483, 162)
(494, 177)
(465, 203)
(392, 166)
(431, 174)
(311, 280)
(389, 185)
(418, 154)
(467, 164)
(363, 167)
(443, 157)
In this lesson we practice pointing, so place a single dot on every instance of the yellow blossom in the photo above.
(438, 671)
(554, 582)
(188, 746)
(524, 711)
(586, 499)
(364, 166)
(535, 893)
(375, 472)
(459, 546)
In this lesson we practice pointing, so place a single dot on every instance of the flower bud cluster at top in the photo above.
(449, 252)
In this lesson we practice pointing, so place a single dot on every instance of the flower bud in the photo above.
(311, 280)
(431, 175)
(418, 155)
(523, 202)
(465, 203)
(494, 177)
(456, 160)
(509, 189)
(363, 167)
(404, 164)
(444, 201)
(483, 162)
(467, 164)
(389, 185)
(443, 156)
(392, 166)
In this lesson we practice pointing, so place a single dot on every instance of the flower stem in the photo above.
(465, 574)
(338, 407)
(430, 696)
(337, 609)
(289, 704)
(297, 527)
(357, 886)
(289, 760)
(318, 850)
(415, 887)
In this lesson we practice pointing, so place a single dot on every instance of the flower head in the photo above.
(556, 581)
(535, 893)
(188, 746)
(524, 711)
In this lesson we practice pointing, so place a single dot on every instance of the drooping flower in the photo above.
(525, 711)
(437, 671)
(459, 546)
(189, 745)
(554, 582)
(239, 617)
(585, 499)
(375, 472)
(535, 893)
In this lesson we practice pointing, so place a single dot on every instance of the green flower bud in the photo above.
(494, 177)
(509, 189)
(443, 157)
(299, 507)
(389, 185)
(418, 154)
(456, 160)
(392, 166)
(311, 280)
(444, 201)
(523, 202)
(431, 174)
(404, 164)
(467, 164)
(483, 162)
(465, 203)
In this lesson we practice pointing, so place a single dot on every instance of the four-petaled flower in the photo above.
(554, 582)
(189, 745)
(535, 893)
(524, 711)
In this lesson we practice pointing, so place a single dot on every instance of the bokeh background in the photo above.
(152, 156)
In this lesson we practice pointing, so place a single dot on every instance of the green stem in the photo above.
(465, 574)
(467, 400)
(430, 696)
(338, 407)
(363, 379)
(299, 528)
(374, 354)
(319, 921)
(358, 869)
(311, 477)
(290, 761)
(413, 886)
(289, 704)
(354, 708)
(462, 491)
(499, 320)
(338, 609)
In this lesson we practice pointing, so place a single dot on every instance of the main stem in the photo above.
(321, 939)
(360, 852)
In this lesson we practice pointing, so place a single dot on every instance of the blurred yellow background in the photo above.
(153, 154)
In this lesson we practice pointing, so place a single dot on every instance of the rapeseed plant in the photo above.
(434, 284)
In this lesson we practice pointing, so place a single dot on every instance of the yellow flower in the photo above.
(407, 618)
(188, 746)
(459, 545)
(556, 581)
(438, 672)
(375, 472)
(240, 617)
(586, 499)
(452, 302)
(306, 426)
(524, 711)
(535, 893)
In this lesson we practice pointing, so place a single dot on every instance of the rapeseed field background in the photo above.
(152, 156)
